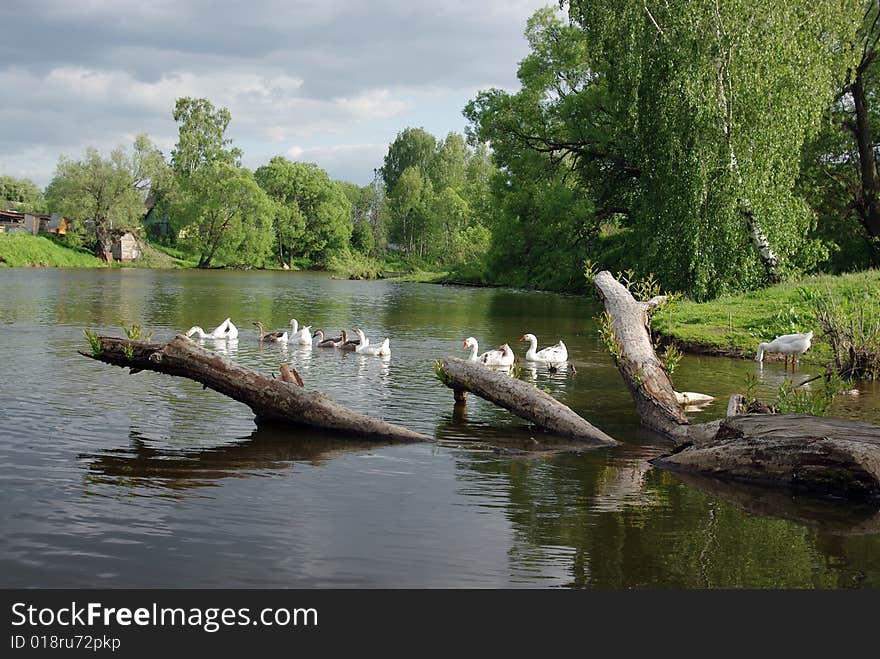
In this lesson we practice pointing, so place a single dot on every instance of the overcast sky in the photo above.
(329, 82)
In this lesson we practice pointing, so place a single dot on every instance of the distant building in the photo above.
(155, 223)
(33, 223)
(11, 221)
(125, 247)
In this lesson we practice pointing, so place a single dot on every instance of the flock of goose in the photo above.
(503, 356)
(299, 335)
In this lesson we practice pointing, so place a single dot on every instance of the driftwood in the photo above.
(519, 397)
(643, 373)
(271, 400)
(826, 456)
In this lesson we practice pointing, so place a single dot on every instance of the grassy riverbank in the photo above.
(352, 265)
(734, 325)
(24, 250)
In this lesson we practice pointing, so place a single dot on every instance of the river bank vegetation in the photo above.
(698, 143)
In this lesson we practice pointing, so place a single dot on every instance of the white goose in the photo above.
(787, 344)
(381, 350)
(302, 336)
(502, 356)
(553, 355)
(364, 342)
(225, 330)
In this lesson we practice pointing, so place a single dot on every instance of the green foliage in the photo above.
(791, 399)
(362, 237)
(608, 337)
(105, 194)
(312, 212)
(413, 147)
(751, 386)
(202, 136)
(850, 323)
(671, 357)
(94, 342)
(135, 332)
(440, 373)
(680, 126)
(20, 194)
(229, 217)
(437, 205)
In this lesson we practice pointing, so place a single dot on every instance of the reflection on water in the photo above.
(146, 480)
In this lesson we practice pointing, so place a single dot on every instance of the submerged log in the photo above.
(270, 399)
(521, 398)
(825, 456)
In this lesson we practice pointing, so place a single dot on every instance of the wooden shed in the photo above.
(126, 248)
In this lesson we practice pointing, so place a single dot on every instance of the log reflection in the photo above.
(267, 450)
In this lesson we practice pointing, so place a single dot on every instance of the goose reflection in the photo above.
(225, 347)
(266, 451)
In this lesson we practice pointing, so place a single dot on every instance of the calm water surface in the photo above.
(112, 480)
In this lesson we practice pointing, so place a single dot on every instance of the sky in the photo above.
(329, 82)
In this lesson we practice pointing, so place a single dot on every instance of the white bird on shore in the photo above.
(225, 330)
(553, 356)
(787, 344)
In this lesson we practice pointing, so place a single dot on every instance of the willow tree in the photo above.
(721, 95)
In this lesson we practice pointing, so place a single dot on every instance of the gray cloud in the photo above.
(295, 75)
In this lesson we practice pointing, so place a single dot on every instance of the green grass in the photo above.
(164, 256)
(159, 256)
(354, 265)
(22, 250)
(735, 324)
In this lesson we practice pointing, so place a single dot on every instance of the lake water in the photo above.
(112, 480)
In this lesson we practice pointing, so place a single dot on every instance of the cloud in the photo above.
(318, 75)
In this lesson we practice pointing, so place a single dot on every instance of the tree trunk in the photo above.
(104, 241)
(270, 399)
(826, 456)
(519, 397)
(868, 204)
(643, 373)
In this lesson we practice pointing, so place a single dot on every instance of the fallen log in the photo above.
(275, 400)
(644, 374)
(521, 398)
(825, 456)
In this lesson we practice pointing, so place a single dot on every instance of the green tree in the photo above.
(409, 209)
(317, 207)
(839, 171)
(362, 237)
(413, 147)
(231, 218)
(683, 122)
(106, 194)
(201, 136)
(20, 194)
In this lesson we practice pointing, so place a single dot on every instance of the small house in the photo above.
(125, 247)
(11, 221)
